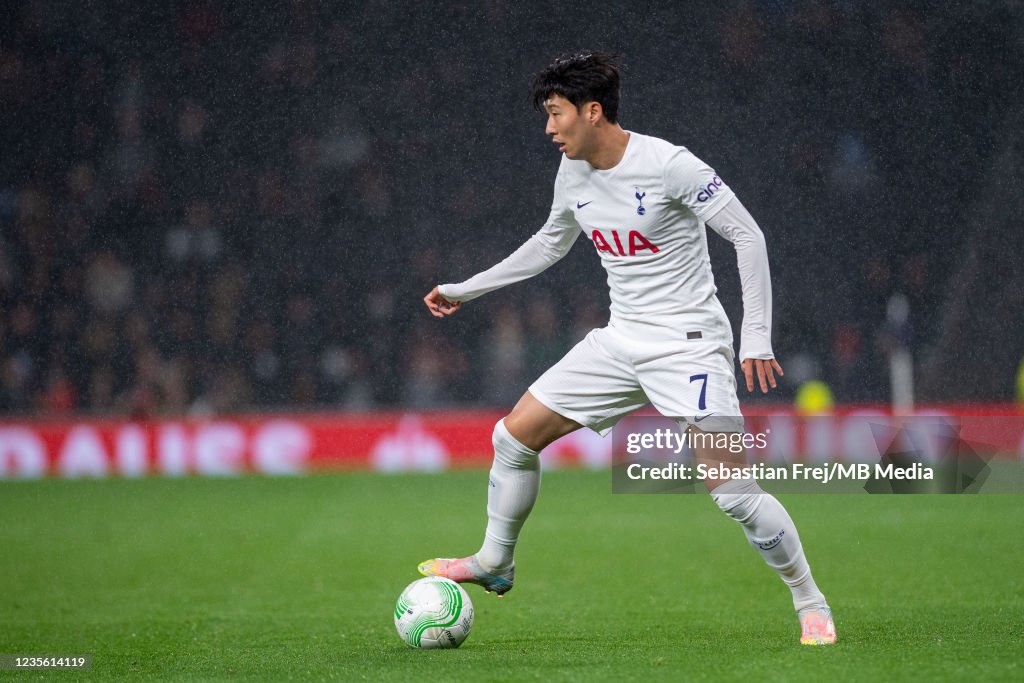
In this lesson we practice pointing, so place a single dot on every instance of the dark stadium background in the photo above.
(211, 207)
(217, 224)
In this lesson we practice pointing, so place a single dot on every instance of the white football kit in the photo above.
(668, 341)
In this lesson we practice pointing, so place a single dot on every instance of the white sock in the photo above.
(512, 491)
(771, 531)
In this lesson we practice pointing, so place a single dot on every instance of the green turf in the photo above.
(296, 578)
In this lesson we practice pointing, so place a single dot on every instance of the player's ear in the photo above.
(594, 111)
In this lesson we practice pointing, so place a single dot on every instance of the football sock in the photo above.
(512, 490)
(771, 531)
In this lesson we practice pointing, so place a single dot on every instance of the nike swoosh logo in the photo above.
(580, 206)
(701, 417)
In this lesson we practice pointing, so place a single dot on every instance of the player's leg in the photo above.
(772, 533)
(591, 386)
(514, 479)
(512, 488)
(707, 400)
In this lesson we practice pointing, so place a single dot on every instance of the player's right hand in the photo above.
(439, 306)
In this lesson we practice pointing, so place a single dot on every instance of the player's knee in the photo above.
(510, 452)
(739, 499)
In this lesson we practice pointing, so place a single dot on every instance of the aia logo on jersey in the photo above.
(634, 239)
(709, 190)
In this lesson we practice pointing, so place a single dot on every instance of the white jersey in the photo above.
(645, 217)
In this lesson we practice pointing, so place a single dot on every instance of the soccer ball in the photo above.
(433, 612)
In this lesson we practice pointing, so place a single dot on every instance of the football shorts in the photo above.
(612, 373)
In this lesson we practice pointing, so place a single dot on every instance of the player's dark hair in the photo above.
(581, 77)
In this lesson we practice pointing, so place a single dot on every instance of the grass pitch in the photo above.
(272, 579)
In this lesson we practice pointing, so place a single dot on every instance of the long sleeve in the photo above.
(734, 223)
(545, 248)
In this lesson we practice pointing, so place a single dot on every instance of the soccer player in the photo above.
(643, 202)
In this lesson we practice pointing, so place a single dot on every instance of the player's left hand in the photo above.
(765, 370)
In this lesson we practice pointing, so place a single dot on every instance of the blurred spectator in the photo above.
(198, 242)
(504, 358)
(109, 284)
(432, 369)
(546, 340)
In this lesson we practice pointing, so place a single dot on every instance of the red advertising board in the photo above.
(290, 444)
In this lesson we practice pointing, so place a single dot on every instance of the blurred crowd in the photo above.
(209, 208)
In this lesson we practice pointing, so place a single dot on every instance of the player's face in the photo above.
(567, 127)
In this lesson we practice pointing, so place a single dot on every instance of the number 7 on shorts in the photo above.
(701, 402)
